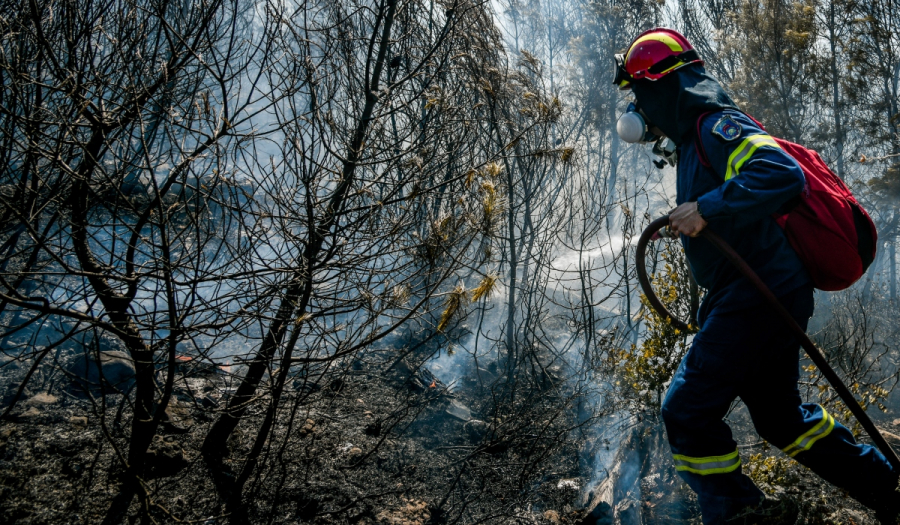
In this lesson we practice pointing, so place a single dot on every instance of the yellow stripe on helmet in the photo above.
(659, 37)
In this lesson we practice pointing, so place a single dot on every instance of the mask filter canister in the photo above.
(632, 128)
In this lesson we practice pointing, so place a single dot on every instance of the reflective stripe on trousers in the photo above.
(808, 439)
(708, 465)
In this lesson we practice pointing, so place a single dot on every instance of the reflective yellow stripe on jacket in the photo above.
(708, 465)
(804, 442)
(745, 150)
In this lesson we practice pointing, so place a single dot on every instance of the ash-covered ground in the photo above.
(374, 440)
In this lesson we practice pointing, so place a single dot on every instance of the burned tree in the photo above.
(116, 122)
(375, 197)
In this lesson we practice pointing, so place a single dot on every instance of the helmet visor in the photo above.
(621, 78)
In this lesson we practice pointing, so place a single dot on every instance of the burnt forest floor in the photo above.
(370, 441)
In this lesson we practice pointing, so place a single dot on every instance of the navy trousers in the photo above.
(752, 354)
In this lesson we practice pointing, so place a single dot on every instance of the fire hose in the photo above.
(651, 233)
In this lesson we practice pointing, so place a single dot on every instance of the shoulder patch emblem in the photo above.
(727, 128)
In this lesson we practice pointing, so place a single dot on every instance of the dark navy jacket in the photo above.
(750, 178)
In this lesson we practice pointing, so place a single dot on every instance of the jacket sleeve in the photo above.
(759, 176)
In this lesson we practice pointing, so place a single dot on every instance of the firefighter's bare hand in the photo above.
(685, 219)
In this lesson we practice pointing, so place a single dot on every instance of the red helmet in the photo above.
(653, 55)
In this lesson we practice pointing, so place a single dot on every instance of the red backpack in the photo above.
(833, 235)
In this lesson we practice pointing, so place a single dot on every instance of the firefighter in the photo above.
(743, 349)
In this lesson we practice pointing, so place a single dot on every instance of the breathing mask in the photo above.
(632, 126)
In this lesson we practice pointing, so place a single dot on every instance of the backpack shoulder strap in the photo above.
(754, 120)
(698, 141)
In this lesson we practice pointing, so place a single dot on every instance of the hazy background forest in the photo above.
(345, 261)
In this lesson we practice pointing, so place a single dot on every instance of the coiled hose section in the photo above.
(651, 233)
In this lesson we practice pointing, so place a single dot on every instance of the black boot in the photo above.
(888, 512)
(887, 507)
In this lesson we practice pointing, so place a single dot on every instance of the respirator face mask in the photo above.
(632, 127)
